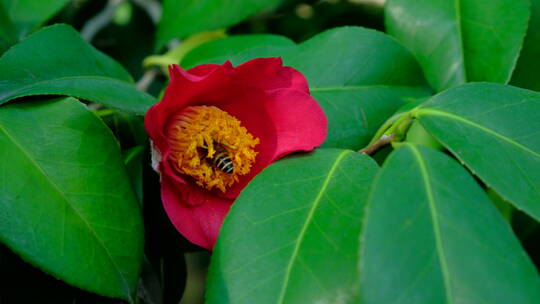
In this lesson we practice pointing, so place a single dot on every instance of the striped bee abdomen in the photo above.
(221, 159)
(223, 162)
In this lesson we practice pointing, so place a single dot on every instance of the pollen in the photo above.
(211, 146)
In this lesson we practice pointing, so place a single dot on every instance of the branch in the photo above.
(146, 80)
(99, 21)
(383, 141)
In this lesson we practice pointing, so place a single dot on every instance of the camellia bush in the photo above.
(270, 151)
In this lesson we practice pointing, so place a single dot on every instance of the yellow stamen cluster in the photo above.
(197, 132)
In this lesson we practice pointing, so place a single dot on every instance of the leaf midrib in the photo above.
(423, 111)
(303, 230)
(12, 93)
(435, 221)
(68, 202)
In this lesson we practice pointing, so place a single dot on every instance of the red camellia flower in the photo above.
(217, 126)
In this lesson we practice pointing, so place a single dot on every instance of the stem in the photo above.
(104, 112)
(383, 141)
(382, 130)
(99, 21)
(394, 128)
(401, 125)
(146, 80)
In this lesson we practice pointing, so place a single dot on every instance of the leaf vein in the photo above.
(310, 215)
(68, 203)
(436, 224)
(423, 111)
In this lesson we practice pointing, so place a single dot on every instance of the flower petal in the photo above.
(184, 89)
(287, 121)
(273, 104)
(248, 106)
(300, 122)
(199, 223)
(270, 74)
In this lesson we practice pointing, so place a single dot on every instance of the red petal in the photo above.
(270, 100)
(287, 121)
(199, 224)
(184, 89)
(270, 74)
(300, 122)
(249, 108)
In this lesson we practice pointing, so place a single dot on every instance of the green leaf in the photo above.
(24, 15)
(365, 80)
(258, 52)
(460, 41)
(177, 53)
(527, 69)
(292, 234)
(418, 135)
(29, 13)
(355, 113)
(66, 204)
(493, 129)
(127, 128)
(503, 206)
(221, 50)
(8, 32)
(57, 61)
(133, 160)
(359, 57)
(431, 235)
(184, 17)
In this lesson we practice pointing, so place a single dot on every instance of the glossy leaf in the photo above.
(527, 68)
(291, 236)
(355, 113)
(24, 15)
(493, 129)
(133, 160)
(431, 235)
(176, 53)
(183, 17)
(57, 61)
(460, 41)
(8, 32)
(221, 50)
(66, 204)
(29, 13)
(359, 57)
(365, 80)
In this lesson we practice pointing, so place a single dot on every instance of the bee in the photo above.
(221, 159)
